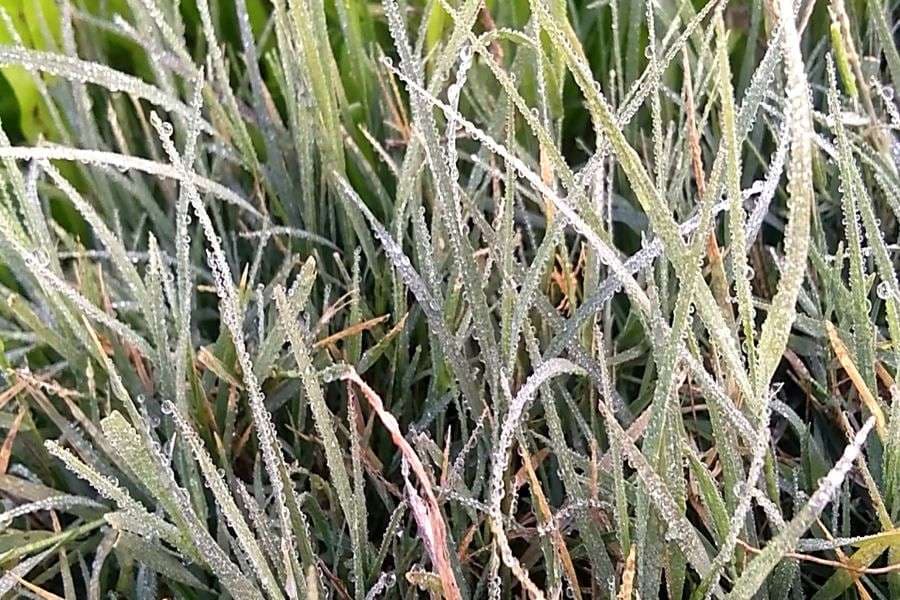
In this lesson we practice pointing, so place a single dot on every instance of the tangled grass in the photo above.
(459, 298)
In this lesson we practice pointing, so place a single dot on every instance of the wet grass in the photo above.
(451, 298)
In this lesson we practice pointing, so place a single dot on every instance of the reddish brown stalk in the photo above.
(434, 531)
(487, 21)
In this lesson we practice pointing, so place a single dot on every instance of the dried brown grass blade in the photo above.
(350, 331)
(626, 590)
(547, 517)
(6, 449)
(865, 394)
(437, 545)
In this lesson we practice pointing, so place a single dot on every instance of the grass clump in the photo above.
(463, 298)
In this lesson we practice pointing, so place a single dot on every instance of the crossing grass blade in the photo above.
(307, 299)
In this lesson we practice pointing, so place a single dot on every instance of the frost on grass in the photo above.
(510, 299)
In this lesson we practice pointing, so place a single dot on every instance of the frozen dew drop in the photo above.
(41, 258)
